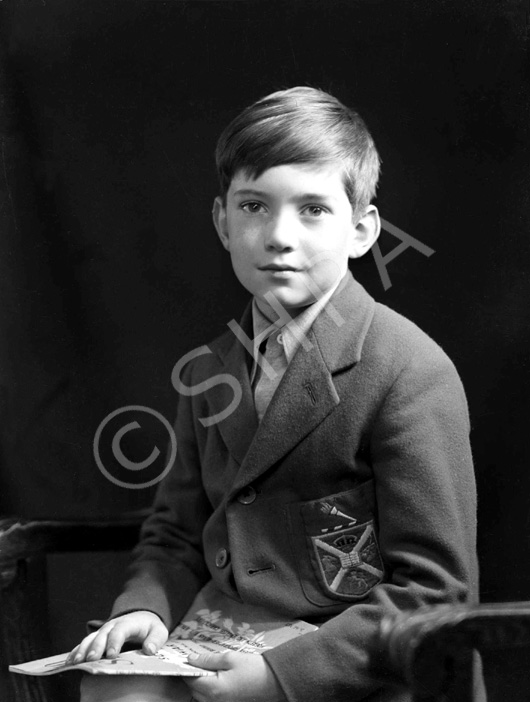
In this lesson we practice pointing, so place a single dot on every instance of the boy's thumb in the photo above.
(209, 661)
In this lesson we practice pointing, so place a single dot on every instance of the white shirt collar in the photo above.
(294, 333)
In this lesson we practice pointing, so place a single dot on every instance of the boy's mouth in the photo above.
(278, 267)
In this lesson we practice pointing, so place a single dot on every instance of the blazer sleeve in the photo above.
(426, 506)
(168, 567)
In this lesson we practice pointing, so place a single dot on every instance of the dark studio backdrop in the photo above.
(110, 269)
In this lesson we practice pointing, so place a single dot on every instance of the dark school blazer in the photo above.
(353, 499)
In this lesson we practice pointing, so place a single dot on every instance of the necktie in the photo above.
(265, 386)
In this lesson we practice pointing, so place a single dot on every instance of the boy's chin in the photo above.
(291, 303)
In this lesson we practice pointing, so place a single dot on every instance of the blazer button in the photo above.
(221, 558)
(247, 495)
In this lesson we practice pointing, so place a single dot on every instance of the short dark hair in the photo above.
(300, 125)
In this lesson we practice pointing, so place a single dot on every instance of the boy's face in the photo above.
(291, 231)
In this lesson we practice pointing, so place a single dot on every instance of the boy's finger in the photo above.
(210, 661)
(156, 637)
(80, 651)
(116, 638)
(70, 657)
(97, 647)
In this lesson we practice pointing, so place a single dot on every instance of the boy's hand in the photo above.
(142, 627)
(240, 677)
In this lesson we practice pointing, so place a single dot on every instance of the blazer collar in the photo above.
(240, 425)
(340, 330)
(306, 394)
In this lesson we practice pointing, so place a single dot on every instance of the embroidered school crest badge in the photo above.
(349, 560)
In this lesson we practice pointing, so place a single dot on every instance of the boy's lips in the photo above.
(278, 267)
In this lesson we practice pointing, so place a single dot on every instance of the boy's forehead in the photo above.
(325, 178)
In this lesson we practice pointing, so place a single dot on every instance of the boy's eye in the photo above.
(314, 210)
(252, 207)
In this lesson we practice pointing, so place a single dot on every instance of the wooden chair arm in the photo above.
(25, 538)
(433, 648)
(23, 604)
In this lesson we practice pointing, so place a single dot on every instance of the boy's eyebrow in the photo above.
(250, 191)
(315, 196)
(246, 192)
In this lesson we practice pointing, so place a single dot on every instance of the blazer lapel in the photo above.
(239, 426)
(307, 394)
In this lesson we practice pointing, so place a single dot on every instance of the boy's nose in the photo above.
(281, 234)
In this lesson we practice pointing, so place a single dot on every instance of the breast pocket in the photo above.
(335, 539)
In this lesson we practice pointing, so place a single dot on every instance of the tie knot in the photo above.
(274, 347)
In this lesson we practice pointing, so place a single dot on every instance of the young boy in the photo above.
(336, 484)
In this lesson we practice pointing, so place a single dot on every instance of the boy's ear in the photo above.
(220, 223)
(365, 232)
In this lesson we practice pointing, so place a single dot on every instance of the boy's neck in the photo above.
(269, 313)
